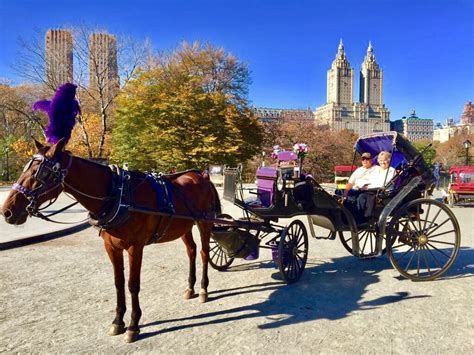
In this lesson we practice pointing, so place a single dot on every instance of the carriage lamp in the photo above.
(467, 145)
(280, 183)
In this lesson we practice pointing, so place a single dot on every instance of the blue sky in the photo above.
(426, 47)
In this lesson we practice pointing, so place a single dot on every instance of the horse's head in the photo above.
(40, 181)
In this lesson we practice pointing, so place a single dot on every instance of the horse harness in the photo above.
(50, 176)
(118, 204)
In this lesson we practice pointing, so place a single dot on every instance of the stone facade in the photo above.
(467, 117)
(340, 111)
(265, 114)
(414, 128)
(58, 53)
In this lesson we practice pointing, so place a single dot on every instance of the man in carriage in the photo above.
(364, 182)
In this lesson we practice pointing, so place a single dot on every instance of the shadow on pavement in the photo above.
(462, 267)
(332, 290)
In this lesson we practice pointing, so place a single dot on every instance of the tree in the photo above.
(326, 148)
(17, 124)
(188, 110)
(97, 99)
(429, 153)
(453, 152)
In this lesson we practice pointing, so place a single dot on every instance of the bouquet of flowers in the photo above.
(276, 149)
(301, 150)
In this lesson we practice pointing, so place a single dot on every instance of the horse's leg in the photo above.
(116, 257)
(191, 250)
(135, 254)
(205, 232)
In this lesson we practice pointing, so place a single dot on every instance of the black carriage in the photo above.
(420, 235)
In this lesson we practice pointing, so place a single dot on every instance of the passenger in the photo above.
(383, 173)
(379, 178)
(361, 177)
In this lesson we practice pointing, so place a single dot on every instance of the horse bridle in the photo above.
(50, 175)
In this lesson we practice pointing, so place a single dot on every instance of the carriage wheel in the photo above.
(218, 258)
(367, 243)
(293, 251)
(423, 239)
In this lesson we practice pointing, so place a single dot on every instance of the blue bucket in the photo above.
(286, 254)
(254, 254)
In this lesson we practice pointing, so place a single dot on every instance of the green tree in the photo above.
(429, 153)
(189, 109)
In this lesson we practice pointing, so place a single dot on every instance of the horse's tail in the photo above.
(217, 201)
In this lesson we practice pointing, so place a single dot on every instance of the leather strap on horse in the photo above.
(122, 198)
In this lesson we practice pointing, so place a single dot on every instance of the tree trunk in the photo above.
(103, 115)
(85, 137)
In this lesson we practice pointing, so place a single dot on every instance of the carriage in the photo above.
(420, 235)
(461, 185)
(133, 209)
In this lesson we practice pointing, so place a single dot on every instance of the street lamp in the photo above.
(467, 145)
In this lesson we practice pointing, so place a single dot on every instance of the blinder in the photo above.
(49, 174)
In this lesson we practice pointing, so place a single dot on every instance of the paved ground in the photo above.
(58, 297)
(37, 229)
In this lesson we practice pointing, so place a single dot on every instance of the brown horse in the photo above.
(53, 170)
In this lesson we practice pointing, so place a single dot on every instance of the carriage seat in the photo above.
(266, 179)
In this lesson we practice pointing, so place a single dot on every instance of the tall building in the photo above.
(414, 128)
(340, 111)
(58, 53)
(103, 67)
(371, 79)
(467, 117)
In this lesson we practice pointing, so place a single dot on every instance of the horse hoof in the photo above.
(188, 294)
(116, 329)
(131, 336)
(203, 296)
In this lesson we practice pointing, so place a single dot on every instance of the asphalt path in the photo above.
(58, 296)
(36, 229)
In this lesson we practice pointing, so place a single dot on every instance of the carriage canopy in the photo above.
(401, 149)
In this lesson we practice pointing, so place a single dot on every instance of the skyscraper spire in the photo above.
(341, 46)
(369, 58)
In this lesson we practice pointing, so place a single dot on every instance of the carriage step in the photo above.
(331, 236)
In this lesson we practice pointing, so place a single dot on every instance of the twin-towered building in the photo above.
(103, 67)
(340, 111)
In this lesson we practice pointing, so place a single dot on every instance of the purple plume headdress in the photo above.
(62, 111)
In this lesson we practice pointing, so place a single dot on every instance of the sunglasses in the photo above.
(366, 159)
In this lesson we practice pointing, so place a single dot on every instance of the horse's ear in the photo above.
(57, 148)
(38, 144)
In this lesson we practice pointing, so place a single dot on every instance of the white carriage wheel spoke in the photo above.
(426, 261)
(440, 242)
(418, 264)
(438, 227)
(439, 250)
(427, 216)
(409, 262)
(434, 258)
(439, 234)
(435, 218)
